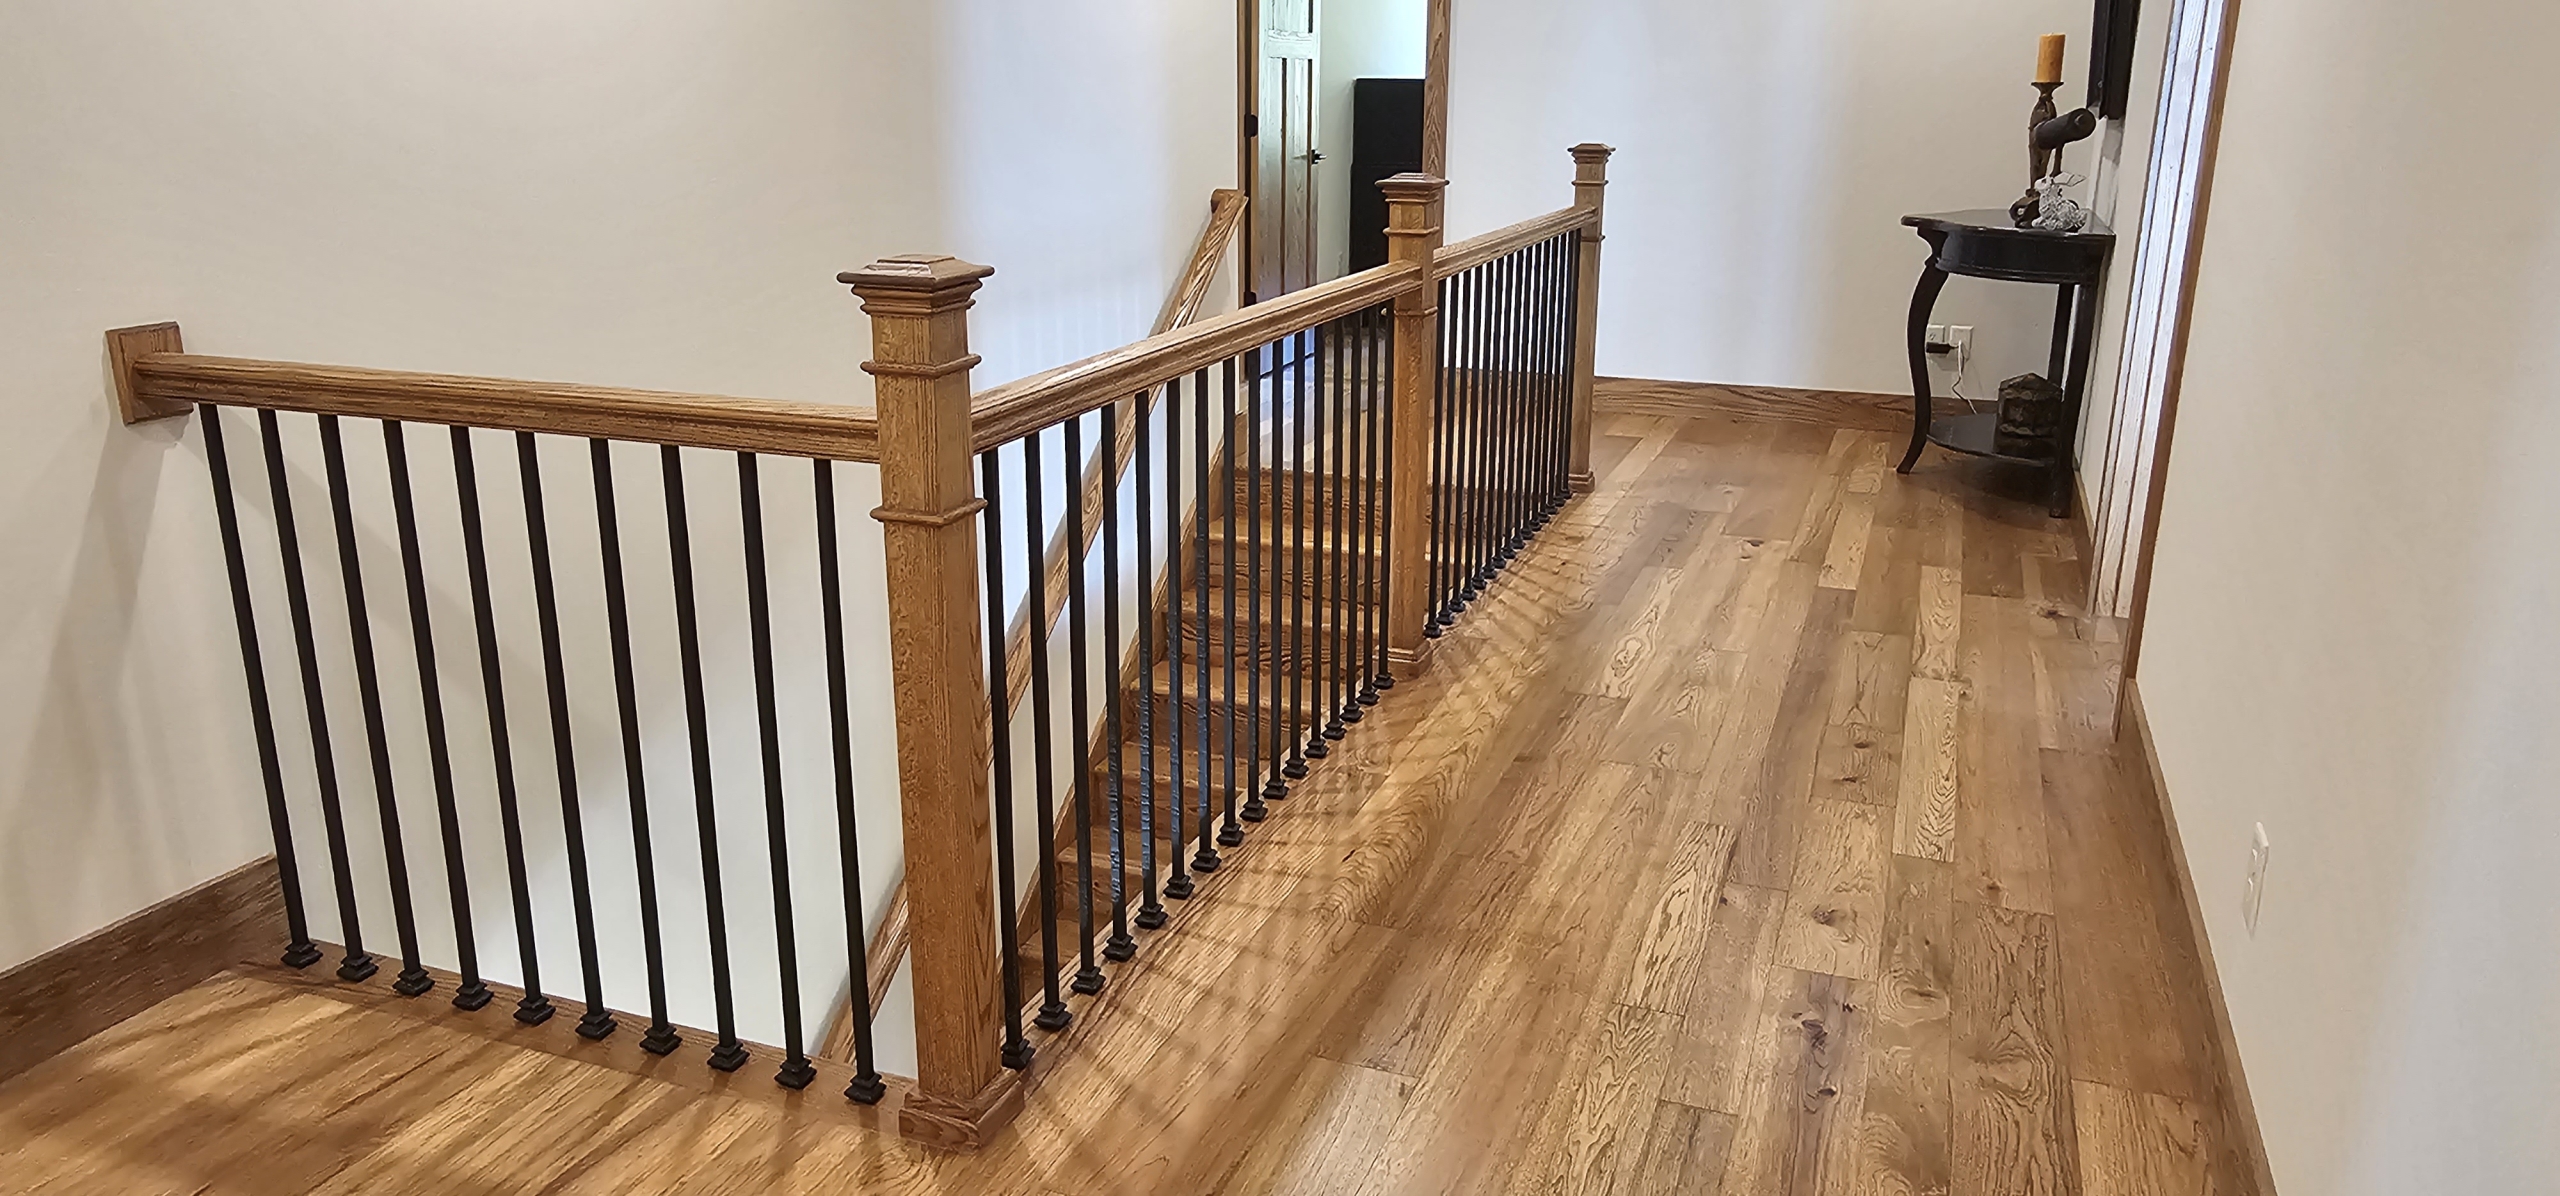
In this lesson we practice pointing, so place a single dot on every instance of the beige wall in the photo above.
(2351, 634)
(1767, 153)
(656, 195)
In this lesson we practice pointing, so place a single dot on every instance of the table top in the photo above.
(1995, 221)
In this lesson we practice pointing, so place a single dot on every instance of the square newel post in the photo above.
(1413, 235)
(1590, 184)
(920, 359)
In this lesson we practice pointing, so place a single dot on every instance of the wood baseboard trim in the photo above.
(52, 1002)
(2239, 1112)
(1866, 410)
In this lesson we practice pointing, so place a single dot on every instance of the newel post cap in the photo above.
(1591, 153)
(1412, 187)
(909, 277)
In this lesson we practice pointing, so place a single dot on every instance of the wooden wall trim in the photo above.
(50, 1003)
(1873, 411)
(161, 381)
(2239, 1113)
(2180, 330)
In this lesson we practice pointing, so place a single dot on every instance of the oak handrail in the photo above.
(166, 380)
(1475, 251)
(1053, 397)
(1208, 252)
(1181, 307)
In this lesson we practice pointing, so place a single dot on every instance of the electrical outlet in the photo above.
(2253, 890)
(1961, 336)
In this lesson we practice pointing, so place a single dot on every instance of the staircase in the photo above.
(1314, 486)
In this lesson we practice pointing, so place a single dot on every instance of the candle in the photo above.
(2049, 59)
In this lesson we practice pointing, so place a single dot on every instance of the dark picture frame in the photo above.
(2111, 33)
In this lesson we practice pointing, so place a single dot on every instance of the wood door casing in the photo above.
(1284, 156)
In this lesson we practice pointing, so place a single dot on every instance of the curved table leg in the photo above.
(1924, 300)
(2075, 386)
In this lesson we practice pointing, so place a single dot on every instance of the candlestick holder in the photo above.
(2042, 160)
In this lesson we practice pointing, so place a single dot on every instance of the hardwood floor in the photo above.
(1759, 833)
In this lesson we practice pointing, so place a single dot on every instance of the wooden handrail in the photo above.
(1208, 252)
(166, 381)
(1046, 399)
(1181, 307)
(1477, 250)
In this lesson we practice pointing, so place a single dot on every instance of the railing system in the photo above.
(1321, 484)
(163, 380)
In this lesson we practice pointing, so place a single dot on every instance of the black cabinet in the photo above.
(1386, 140)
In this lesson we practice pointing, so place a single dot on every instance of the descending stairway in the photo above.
(1298, 633)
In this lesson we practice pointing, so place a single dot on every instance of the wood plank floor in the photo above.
(1760, 833)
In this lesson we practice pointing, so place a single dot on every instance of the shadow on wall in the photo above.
(82, 733)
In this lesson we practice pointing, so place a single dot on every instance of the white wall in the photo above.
(1362, 39)
(2351, 636)
(1767, 153)
(655, 197)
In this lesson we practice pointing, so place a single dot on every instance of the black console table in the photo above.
(1985, 244)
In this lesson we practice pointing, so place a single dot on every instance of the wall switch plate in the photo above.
(2253, 890)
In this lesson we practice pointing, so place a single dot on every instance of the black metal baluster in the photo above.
(1150, 912)
(1560, 368)
(1573, 362)
(1230, 832)
(413, 979)
(1381, 636)
(1206, 859)
(1346, 527)
(661, 1037)
(1322, 544)
(533, 1008)
(1490, 426)
(1263, 386)
(727, 1054)
(1542, 489)
(1179, 885)
(1355, 505)
(1080, 702)
(1481, 432)
(1303, 350)
(1436, 536)
(1462, 457)
(473, 991)
(1053, 1013)
(1570, 362)
(867, 1087)
(356, 965)
(1506, 344)
(1369, 669)
(1017, 1050)
(1115, 692)
(299, 951)
(597, 1021)
(796, 1071)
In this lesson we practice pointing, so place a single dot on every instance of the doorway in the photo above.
(1335, 98)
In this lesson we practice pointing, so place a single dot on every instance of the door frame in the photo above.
(2173, 384)
(1435, 113)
